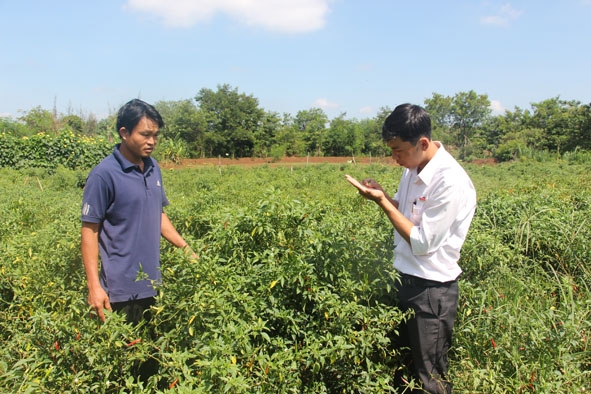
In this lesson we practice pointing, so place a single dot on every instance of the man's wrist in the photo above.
(382, 200)
(187, 250)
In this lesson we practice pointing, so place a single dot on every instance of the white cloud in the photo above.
(503, 17)
(494, 21)
(288, 16)
(5, 115)
(366, 110)
(324, 104)
(510, 12)
(497, 108)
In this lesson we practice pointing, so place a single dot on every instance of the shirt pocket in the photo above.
(416, 210)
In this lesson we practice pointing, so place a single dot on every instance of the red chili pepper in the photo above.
(170, 386)
(56, 345)
(494, 344)
(134, 342)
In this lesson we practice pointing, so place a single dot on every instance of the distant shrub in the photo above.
(70, 150)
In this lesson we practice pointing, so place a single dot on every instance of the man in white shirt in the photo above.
(431, 213)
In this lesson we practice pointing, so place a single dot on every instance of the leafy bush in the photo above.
(510, 150)
(43, 150)
(292, 289)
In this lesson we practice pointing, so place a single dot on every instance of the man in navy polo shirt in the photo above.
(123, 218)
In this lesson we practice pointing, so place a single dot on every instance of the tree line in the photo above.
(226, 122)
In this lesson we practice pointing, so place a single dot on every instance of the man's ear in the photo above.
(424, 142)
(123, 133)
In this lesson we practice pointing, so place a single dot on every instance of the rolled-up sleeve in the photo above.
(438, 218)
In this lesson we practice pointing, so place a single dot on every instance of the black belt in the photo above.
(415, 281)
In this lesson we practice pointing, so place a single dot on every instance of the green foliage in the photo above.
(554, 126)
(184, 127)
(276, 305)
(39, 120)
(232, 117)
(563, 123)
(12, 127)
(458, 119)
(510, 150)
(226, 122)
(73, 122)
(170, 150)
(312, 125)
(285, 296)
(42, 150)
(345, 138)
(292, 289)
(524, 318)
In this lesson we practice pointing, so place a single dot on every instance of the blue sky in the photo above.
(344, 56)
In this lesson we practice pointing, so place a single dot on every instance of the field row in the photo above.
(292, 292)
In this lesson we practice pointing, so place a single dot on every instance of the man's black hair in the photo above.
(133, 111)
(408, 122)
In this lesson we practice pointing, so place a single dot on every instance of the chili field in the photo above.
(292, 291)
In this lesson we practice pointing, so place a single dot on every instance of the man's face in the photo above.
(405, 153)
(142, 140)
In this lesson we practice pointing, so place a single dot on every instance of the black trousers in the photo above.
(135, 311)
(428, 333)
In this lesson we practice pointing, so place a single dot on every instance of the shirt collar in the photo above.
(126, 165)
(427, 173)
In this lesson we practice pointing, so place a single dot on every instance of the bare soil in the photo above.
(290, 161)
(285, 161)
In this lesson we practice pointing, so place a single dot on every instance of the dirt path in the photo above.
(286, 161)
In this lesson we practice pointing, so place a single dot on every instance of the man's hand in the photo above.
(99, 300)
(368, 188)
(371, 190)
(189, 252)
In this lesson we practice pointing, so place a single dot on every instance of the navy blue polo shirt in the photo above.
(128, 205)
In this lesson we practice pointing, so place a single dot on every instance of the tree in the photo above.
(39, 120)
(90, 126)
(372, 133)
(184, 121)
(440, 111)
(510, 122)
(343, 138)
(470, 111)
(460, 116)
(232, 119)
(288, 139)
(565, 124)
(107, 127)
(312, 124)
(13, 127)
(73, 122)
(583, 138)
(264, 136)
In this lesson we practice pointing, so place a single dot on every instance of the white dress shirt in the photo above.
(440, 201)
